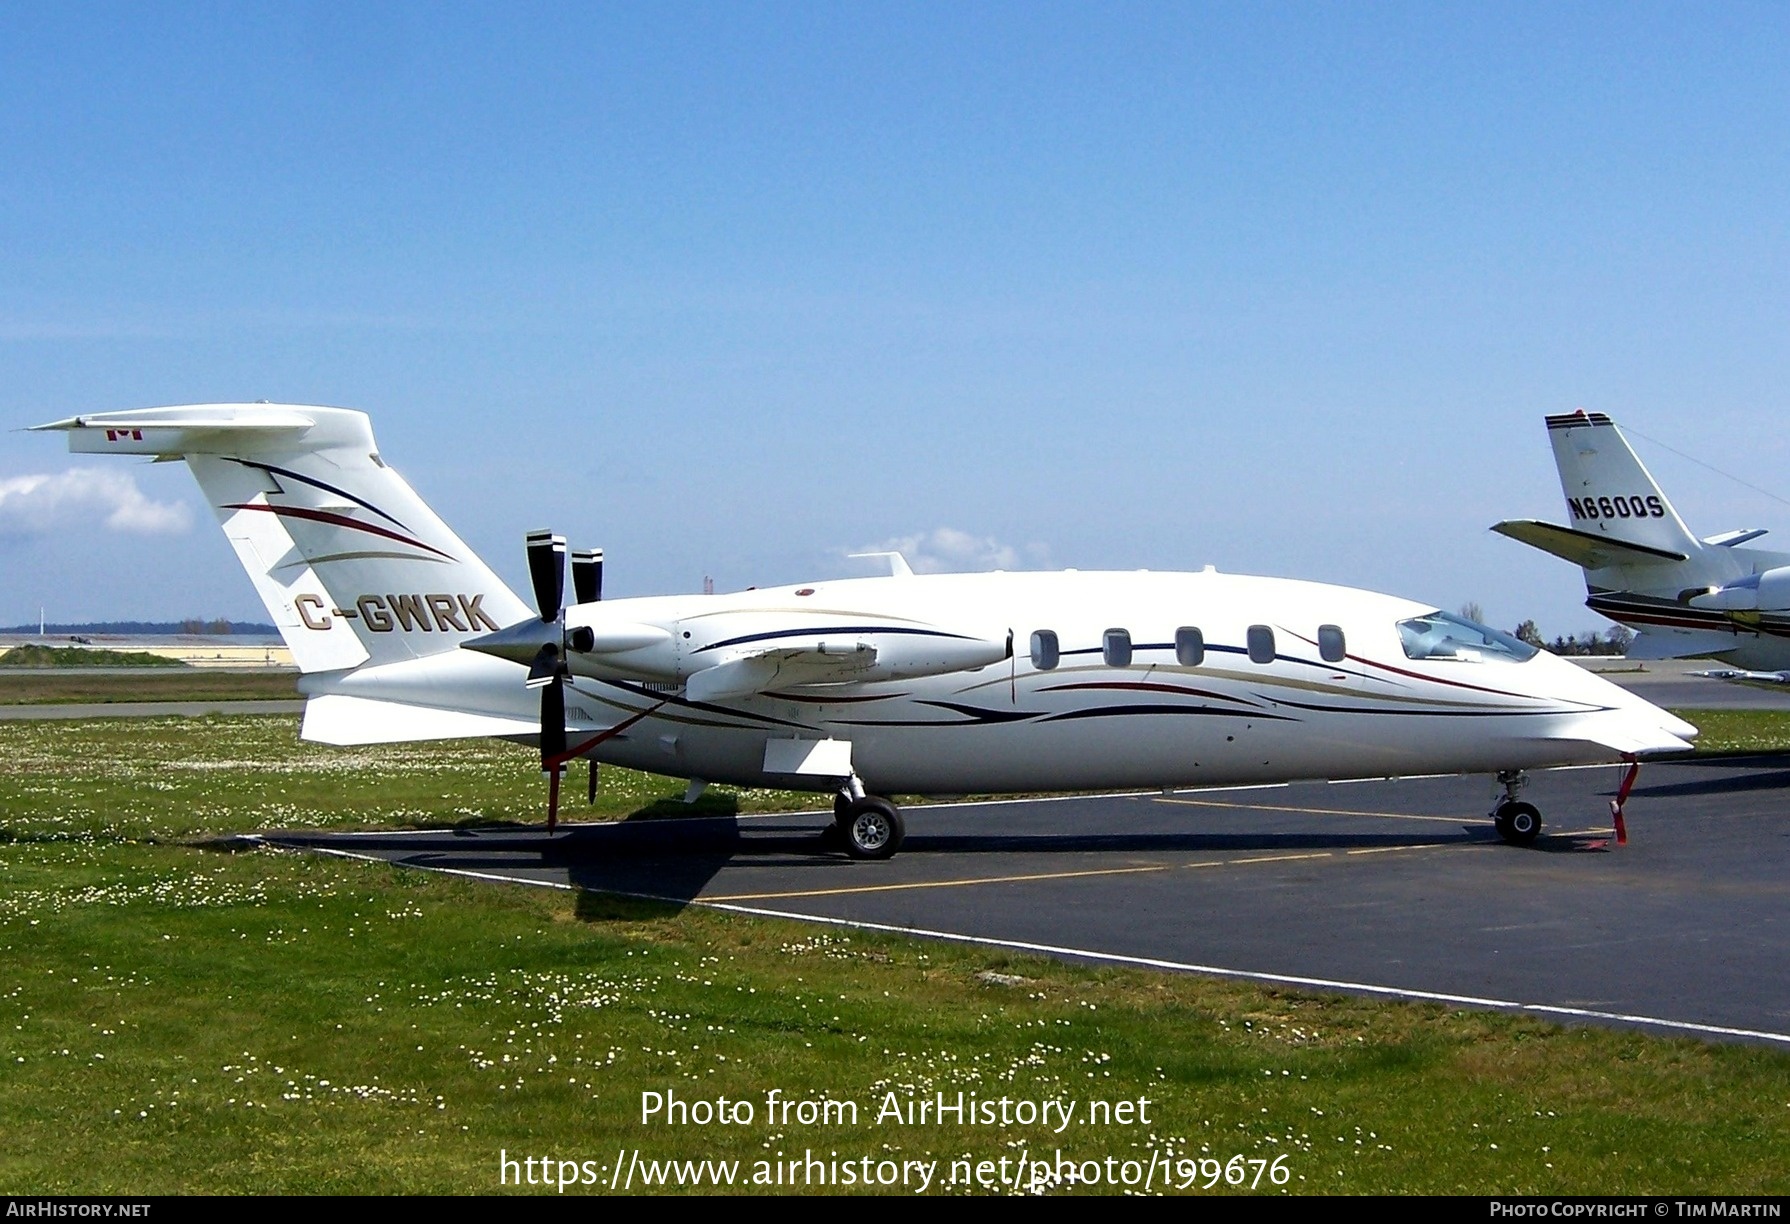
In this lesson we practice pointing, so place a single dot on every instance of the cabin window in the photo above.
(1190, 647)
(1331, 647)
(1442, 636)
(1261, 644)
(1117, 648)
(1044, 650)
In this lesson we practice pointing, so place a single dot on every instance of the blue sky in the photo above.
(733, 290)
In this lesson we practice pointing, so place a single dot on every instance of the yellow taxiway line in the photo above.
(1058, 875)
(1012, 879)
(1308, 811)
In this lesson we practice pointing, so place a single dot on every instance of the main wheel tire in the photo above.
(873, 828)
(1518, 823)
(841, 805)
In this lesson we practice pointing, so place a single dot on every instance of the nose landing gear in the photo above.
(1517, 823)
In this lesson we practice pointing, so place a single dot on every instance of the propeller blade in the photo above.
(553, 725)
(591, 794)
(544, 670)
(587, 575)
(547, 571)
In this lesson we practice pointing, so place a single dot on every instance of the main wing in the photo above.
(842, 661)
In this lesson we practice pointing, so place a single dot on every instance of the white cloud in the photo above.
(85, 497)
(946, 550)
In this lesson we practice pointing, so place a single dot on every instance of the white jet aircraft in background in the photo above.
(1686, 598)
(898, 685)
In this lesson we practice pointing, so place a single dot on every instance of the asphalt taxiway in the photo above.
(1679, 684)
(1398, 888)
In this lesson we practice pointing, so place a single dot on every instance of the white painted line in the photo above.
(456, 871)
(1146, 962)
(1111, 958)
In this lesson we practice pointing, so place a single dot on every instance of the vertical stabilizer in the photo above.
(1608, 491)
(351, 564)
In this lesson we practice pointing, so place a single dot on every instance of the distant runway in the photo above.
(1670, 684)
(1396, 888)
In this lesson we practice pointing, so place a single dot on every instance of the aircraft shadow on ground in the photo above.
(674, 861)
(1769, 772)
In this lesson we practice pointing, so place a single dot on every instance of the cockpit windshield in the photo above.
(1438, 635)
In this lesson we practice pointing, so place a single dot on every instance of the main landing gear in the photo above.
(1517, 823)
(870, 825)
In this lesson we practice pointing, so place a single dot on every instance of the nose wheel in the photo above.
(1517, 823)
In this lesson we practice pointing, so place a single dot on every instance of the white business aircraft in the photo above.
(1686, 598)
(896, 685)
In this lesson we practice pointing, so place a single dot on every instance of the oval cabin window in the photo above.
(1190, 647)
(1331, 646)
(1117, 648)
(1261, 644)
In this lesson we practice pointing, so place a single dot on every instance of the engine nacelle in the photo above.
(1766, 592)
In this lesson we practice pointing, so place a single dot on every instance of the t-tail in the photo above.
(369, 588)
(1642, 565)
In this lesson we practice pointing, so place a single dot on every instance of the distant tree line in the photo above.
(192, 625)
(1612, 641)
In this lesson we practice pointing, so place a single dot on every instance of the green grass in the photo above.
(73, 686)
(175, 1019)
(33, 655)
(1731, 731)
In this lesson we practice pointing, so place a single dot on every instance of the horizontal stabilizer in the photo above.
(334, 718)
(1728, 539)
(1583, 548)
(170, 432)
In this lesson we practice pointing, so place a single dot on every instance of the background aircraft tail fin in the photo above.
(1609, 493)
(351, 564)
